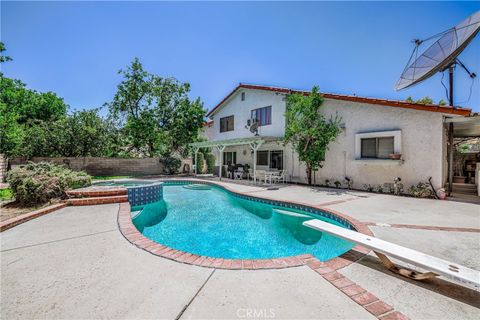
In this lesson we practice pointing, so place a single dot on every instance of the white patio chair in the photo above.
(281, 176)
(261, 175)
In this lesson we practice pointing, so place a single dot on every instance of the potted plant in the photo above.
(395, 156)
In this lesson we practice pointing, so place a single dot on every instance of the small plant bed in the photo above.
(14, 209)
(420, 190)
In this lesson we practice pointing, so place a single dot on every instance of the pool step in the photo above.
(96, 192)
(96, 200)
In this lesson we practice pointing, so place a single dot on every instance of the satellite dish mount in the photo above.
(441, 55)
(252, 125)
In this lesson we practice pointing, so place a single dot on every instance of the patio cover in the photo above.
(234, 142)
(465, 127)
(254, 143)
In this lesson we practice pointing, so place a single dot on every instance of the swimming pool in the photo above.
(219, 224)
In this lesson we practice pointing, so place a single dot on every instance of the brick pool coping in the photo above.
(328, 269)
(131, 233)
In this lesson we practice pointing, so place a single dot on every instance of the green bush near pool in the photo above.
(37, 183)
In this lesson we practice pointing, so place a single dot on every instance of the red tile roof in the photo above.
(208, 123)
(383, 102)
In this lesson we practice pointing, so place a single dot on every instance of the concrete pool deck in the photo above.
(74, 263)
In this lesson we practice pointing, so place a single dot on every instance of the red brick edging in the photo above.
(10, 223)
(94, 197)
(84, 192)
(328, 270)
(96, 200)
(131, 233)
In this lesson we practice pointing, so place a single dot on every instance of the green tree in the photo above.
(12, 133)
(3, 57)
(158, 116)
(85, 134)
(425, 100)
(30, 105)
(308, 130)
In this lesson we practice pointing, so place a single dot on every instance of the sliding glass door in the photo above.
(271, 158)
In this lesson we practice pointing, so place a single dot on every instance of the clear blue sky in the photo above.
(76, 49)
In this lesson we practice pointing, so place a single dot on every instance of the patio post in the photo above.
(196, 163)
(450, 159)
(255, 147)
(220, 149)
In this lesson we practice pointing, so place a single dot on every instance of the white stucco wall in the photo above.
(422, 140)
(421, 145)
(254, 99)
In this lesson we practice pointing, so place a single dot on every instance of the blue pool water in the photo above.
(218, 224)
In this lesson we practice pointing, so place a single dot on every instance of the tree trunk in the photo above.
(309, 175)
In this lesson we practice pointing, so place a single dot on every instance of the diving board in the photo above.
(434, 265)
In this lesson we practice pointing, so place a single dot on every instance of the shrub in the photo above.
(337, 184)
(421, 190)
(200, 162)
(37, 183)
(349, 182)
(6, 194)
(369, 187)
(210, 162)
(171, 165)
(327, 183)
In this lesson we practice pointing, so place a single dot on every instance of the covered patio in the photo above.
(463, 155)
(254, 143)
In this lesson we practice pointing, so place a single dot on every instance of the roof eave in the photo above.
(382, 102)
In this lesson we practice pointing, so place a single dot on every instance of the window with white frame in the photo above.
(229, 158)
(263, 115)
(379, 148)
(227, 124)
(377, 145)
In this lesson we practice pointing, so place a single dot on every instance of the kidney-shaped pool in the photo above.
(211, 221)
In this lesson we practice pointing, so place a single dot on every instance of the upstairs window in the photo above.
(226, 124)
(378, 148)
(263, 115)
(242, 96)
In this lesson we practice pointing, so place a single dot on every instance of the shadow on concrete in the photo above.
(437, 285)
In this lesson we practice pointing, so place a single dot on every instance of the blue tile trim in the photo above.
(314, 211)
(145, 194)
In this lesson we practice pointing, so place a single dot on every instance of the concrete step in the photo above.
(465, 185)
(96, 192)
(465, 189)
(96, 200)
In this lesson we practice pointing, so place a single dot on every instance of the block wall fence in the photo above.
(100, 166)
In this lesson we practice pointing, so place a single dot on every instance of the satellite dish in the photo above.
(252, 125)
(441, 55)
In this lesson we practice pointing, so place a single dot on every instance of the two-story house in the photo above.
(380, 139)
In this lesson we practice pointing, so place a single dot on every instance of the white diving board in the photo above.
(382, 248)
